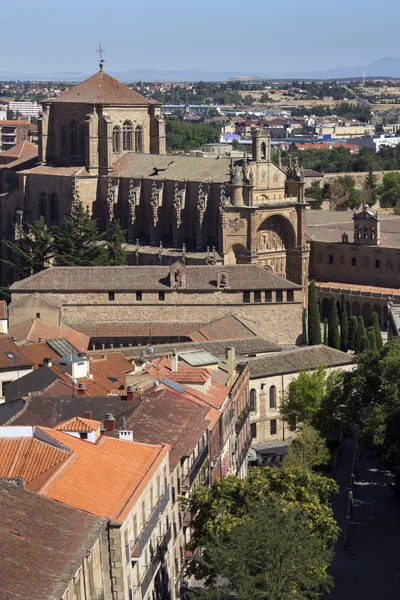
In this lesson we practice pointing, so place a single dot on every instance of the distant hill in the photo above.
(382, 67)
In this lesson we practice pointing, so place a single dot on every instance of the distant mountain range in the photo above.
(382, 67)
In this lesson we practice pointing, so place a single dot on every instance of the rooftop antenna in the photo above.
(100, 51)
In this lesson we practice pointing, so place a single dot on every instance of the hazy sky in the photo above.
(214, 35)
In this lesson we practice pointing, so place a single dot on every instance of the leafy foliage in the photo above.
(308, 450)
(344, 327)
(115, 246)
(186, 136)
(377, 330)
(360, 335)
(353, 326)
(304, 328)
(231, 502)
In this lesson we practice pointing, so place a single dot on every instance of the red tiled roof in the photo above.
(101, 88)
(16, 357)
(106, 478)
(33, 330)
(228, 327)
(78, 424)
(136, 329)
(36, 353)
(21, 150)
(28, 457)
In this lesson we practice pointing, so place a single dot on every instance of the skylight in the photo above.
(10, 355)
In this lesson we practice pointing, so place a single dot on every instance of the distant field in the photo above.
(279, 99)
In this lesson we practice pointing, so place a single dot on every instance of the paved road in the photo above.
(370, 568)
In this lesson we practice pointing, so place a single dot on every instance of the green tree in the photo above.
(377, 330)
(326, 331)
(115, 246)
(371, 338)
(304, 397)
(33, 251)
(315, 192)
(304, 328)
(271, 555)
(232, 501)
(344, 327)
(361, 333)
(365, 344)
(314, 324)
(308, 450)
(370, 188)
(353, 326)
(333, 324)
(389, 191)
(78, 242)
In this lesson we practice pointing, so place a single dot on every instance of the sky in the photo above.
(210, 35)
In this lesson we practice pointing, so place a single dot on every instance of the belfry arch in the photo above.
(275, 233)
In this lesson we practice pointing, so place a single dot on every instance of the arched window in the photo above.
(81, 141)
(127, 136)
(64, 140)
(43, 204)
(253, 399)
(272, 396)
(73, 138)
(54, 208)
(138, 139)
(116, 138)
(263, 151)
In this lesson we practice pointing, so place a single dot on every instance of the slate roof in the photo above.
(52, 410)
(36, 381)
(175, 167)
(101, 88)
(16, 358)
(106, 478)
(40, 556)
(28, 457)
(300, 359)
(165, 417)
(145, 278)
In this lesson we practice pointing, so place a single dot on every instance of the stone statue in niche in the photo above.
(223, 282)
(366, 233)
(178, 277)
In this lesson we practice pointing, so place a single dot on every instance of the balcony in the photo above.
(194, 471)
(151, 523)
(241, 420)
(156, 561)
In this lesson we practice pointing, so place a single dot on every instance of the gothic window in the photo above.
(116, 138)
(272, 396)
(138, 139)
(54, 208)
(81, 140)
(127, 136)
(42, 204)
(263, 151)
(73, 138)
(253, 398)
(64, 140)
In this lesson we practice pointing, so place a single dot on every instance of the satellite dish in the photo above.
(156, 383)
(150, 350)
(251, 455)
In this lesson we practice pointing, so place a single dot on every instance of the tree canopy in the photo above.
(308, 450)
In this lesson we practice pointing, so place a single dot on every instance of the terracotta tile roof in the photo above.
(13, 122)
(28, 457)
(35, 329)
(21, 150)
(78, 424)
(36, 353)
(101, 88)
(50, 410)
(202, 278)
(228, 327)
(356, 288)
(11, 356)
(125, 329)
(42, 544)
(3, 310)
(300, 359)
(164, 416)
(59, 171)
(106, 478)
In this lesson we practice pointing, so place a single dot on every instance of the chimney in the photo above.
(47, 362)
(174, 362)
(123, 423)
(130, 394)
(81, 389)
(230, 361)
(109, 422)
(41, 340)
(87, 414)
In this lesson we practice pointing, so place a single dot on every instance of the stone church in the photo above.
(104, 144)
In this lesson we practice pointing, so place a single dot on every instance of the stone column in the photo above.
(43, 130)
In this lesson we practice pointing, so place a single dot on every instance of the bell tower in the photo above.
(261, 145)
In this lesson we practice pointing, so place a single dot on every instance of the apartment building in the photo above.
(26, 108)
(12, 132)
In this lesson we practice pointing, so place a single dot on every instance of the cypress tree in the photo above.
(377, 331)
(326, 331)
(353, 325)
(333, 324)
(314, 323)
(365, 344)
(371, 338)
(360, 335)
(115, 246)
(344, 327)
(304, 324)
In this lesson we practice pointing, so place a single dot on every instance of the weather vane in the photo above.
(100, 52)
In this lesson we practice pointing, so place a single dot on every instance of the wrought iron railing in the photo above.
(194, 471)
(151, 523)
(156, 561)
